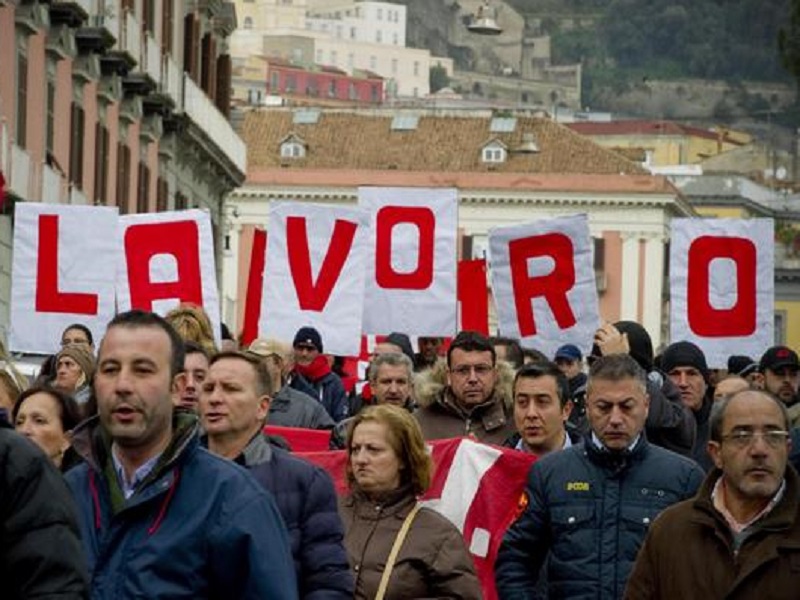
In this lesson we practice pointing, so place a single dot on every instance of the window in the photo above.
(51, 126)
(352, 92)
(334, 57)
(373, 62)
(318, 55)
(379, 36)
(181, 201)
(339, 31)
(77, 123)
(123, 176)
(494, 154)
(332, 88)
(274, 81)
(22, 100)
(292, 149)
(248, 23)
(395, 39)
(416, 68)
(352, 33)
(101, 166)
(394, 66)
(162, 195)
(379, 15)
(291, 83)
(142, 192)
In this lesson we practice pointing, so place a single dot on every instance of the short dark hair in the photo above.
(513, 349)
(80, 327)
(615, 367)
(134, 319)
(545, 369)
(720, 407)
(471, 341)
(263, 380)
(68, 410)
(191, 347)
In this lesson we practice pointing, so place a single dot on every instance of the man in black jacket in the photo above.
(40, 548)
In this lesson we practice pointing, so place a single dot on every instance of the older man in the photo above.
(541, 410)
(685, 365)
(467, 395)
(589, 506)
(739, 537)
(160, 516)
(234, 404)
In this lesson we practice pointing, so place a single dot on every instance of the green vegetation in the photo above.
(669, 39)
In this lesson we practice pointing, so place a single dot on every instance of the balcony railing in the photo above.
(171, 82)
(151, 63)
(206, 116)
(21, 171)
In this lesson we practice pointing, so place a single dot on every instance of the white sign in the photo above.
(411, 282)
(544, 284)
(722, 286)
(315, 266)
(62, 273)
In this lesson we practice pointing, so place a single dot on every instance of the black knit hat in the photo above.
(308, 335)
(639, 343)
(684, 354)
(741, 365)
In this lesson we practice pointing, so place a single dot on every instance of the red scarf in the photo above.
(318, 368)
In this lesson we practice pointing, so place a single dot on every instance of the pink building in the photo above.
(325, 83)
(116, 103)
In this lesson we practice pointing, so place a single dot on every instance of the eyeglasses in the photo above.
(743, 439)
(465, 370)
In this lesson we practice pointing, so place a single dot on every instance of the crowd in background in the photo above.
(647, 463)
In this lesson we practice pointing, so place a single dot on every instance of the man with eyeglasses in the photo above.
(739, 537)
(468, 395)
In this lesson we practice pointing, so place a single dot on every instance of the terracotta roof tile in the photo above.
(647, 127)
(348, 140)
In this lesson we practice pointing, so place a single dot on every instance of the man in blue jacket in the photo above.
(234, 403)
(590, 505)
(161, 517)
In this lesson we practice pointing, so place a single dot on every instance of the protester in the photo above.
(508, 349)
(685, 365)
(312, 374)
(569, 359)
(589, 506)
(192, 324)
(391, 379)
(40, 548)
(394, 343)
(11, 385)
(669, 423)
(541, 410)
(195, 369)
(78, 334)
(780, 368)
(388, 467)
(74, 371)
(430, 349)
(470, 394)
(233, 406)
(160, 516)
(289, 407)
(729, 385)
(739, 537)
(746, 367)
(46, 416)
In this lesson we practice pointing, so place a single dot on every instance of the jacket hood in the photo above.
(430, 384)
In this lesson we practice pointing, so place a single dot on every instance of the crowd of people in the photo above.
(141, 467)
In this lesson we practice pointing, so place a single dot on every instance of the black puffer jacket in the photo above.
(590, 510)
(40, 548)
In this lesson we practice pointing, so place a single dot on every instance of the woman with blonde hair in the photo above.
(398, 550)
(193, 325)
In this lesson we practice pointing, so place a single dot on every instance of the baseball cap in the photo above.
(568, 352)
(778, 357)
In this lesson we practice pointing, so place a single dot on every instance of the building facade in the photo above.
(327, 83)
(115, 103)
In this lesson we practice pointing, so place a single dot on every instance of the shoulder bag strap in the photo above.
(398, 543)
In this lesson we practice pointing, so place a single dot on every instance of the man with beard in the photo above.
(739, 537)
(159, 516)
(780, 369)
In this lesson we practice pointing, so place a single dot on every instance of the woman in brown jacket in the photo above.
(387, 469)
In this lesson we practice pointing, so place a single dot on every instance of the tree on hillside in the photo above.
(789, 46)
(438, 78)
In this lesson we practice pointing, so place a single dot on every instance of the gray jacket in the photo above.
(290, 408)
